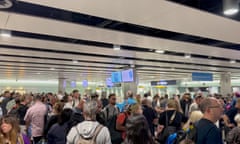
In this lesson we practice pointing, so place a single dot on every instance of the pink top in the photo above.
(35, 115)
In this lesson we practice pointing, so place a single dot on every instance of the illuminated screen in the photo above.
(116, 77)
(85, 83)
(127, 75)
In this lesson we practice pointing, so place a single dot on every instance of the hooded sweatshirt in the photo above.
(86, 129)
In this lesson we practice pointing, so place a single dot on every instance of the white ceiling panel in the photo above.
(51, 27)
(106, 51)
(62, 62)
(160, 14)
(121, 61)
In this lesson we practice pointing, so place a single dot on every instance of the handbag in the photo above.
(168, 130)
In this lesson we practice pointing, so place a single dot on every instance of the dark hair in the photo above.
(49, 93)
(138, 131)
(74, 91)
(65, 116)
(111, 95)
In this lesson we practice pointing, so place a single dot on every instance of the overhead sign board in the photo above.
(197, 76)
(163, 82)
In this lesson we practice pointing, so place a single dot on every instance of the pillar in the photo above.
(225, 84)
(61, 85)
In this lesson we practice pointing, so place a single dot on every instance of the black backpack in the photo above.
(187, 137)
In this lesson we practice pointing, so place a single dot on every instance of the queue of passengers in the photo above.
(75, 119)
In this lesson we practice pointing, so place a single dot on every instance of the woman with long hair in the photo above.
(10, 131)
(171, 120)
(138, 131)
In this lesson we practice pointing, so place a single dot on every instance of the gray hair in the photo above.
(90, 109)
(205, 104)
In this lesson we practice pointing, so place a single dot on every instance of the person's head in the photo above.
(238, 103)
(37, 97)
(75, 94)
(138, 131)
(112, 99)
(58, 107)
(138, 98)
(211, 108)
(136, 109)
(7, 94)
(129, 94)
(90, 109)
(147, 102)
(81, 104)
(156, 97)
(166, 96)
(49, 95)
(9, 128)
(65, 116)
(94, 96)
(172, 104)
(237, 119)
(193, 118)
(198, 99)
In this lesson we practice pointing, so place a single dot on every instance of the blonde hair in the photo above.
(194, 117)
(237, 118)
(172, 103)
(134, 108)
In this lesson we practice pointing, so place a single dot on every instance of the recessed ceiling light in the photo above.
(232, 61)
(230, 7)
(231, 11)
(75, 61)
(187, 56)
(116, 47)
(5, 33)
(159, 51)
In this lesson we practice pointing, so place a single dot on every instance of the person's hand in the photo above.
(230, 125)
(159, 129)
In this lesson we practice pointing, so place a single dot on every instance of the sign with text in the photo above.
(197, 76)
(163, 82)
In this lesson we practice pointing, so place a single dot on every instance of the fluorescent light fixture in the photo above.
(5, 33)
(187, 56)
(116, 47)
(230, 7)
(232, 61)
(52, 68)
(231, 11)
(159, 51)
(75, 61)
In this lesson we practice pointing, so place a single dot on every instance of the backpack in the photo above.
(91, 140)
(189, 136)
(116, 135)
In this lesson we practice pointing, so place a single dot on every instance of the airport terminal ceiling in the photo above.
(42, 39)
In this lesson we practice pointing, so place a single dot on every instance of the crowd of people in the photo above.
(72, 119)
